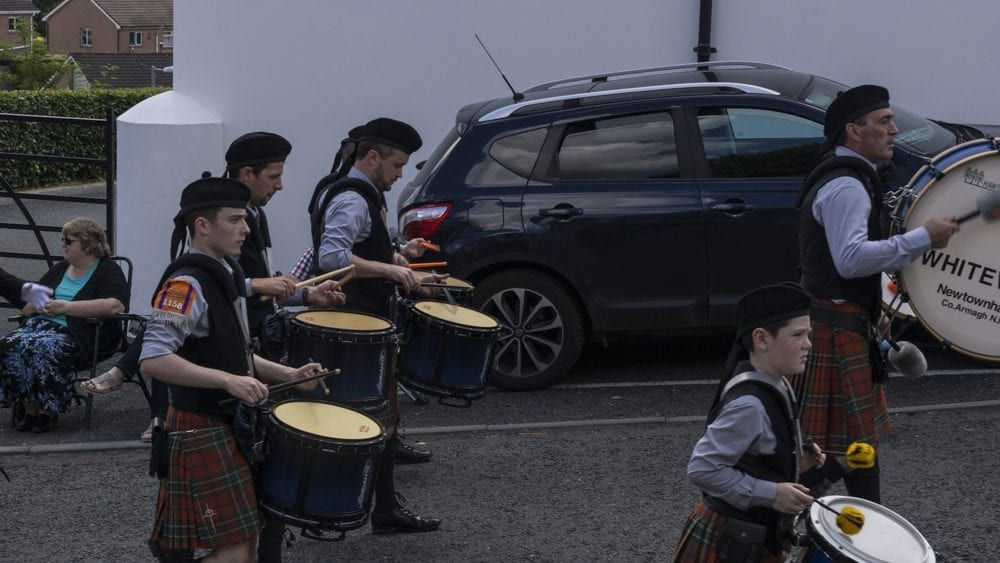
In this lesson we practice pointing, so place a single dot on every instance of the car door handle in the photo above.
(732, 208)
(560, 212)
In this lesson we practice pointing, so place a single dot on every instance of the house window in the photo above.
(135, 39)
(168, 40)
(85, 37)
(12, 24)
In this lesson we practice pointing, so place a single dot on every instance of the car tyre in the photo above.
(541, 328)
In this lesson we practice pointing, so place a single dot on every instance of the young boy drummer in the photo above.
(196, 342)
(748, 461)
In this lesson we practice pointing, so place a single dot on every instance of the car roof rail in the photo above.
(653, 70)
(507, 111)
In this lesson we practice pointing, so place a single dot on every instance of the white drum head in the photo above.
(886, 537)
(955, 291)
(327, 420)
(456, 314)
(344, 320)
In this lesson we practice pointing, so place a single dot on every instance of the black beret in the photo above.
(213, 192)
(256, 148)
(205, 193)
(769, 304)
(852, 104)
(395, 134)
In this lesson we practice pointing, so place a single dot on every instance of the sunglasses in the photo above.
(68, 241)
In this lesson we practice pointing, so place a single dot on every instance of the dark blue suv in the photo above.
(639, 201)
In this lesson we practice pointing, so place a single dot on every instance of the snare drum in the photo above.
(356, 343)
(460, 291)
(319, 466)
(885, 536)
(448, 350)
(955, 291)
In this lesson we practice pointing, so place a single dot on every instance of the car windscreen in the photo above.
(916, 133)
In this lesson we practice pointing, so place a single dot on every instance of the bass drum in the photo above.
(955, 291)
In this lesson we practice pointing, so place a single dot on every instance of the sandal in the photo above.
(147, 435)
(104, 383)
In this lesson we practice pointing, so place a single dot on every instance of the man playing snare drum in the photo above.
(842, 254)
(347, 215)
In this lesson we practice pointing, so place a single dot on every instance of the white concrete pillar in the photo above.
(164, 143)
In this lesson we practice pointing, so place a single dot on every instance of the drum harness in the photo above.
(748, 535)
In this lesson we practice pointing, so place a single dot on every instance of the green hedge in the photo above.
(59, 139)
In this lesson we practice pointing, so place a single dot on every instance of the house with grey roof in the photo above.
(111, 26)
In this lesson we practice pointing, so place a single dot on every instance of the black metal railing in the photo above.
(107, 164)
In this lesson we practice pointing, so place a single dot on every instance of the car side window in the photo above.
(758, 143)
(634, 147)
(510, 160)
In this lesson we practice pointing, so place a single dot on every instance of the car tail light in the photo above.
(422, 221)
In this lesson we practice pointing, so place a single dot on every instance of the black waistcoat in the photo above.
(225, 347)
(819, 275)
(365, 295)
(778, 467)
(254, 264)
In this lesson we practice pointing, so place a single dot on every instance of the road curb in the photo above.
(81, 447)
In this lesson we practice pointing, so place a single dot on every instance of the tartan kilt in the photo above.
(700, 537)
(839, 401)
(208, 499)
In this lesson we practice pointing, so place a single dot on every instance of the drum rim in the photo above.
(388, 330)
(993, 150)
(297, 516)
(476, 329)
(850, 550)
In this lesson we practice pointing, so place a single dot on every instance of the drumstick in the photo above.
(326, 390)
(425, 265)
(324, 277)
(343, 280)
(430, 245)
(987, 207)
(318, 279)
(282, 386)
(287, 384)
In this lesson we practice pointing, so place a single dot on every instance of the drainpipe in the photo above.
(704, 48)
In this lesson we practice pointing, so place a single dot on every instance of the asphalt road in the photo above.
(607, 493)
(592, 469)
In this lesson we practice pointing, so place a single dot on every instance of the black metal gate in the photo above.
(107, 163)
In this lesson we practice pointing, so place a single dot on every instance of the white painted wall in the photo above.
(312, 69)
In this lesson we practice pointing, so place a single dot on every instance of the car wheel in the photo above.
(541, 328)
